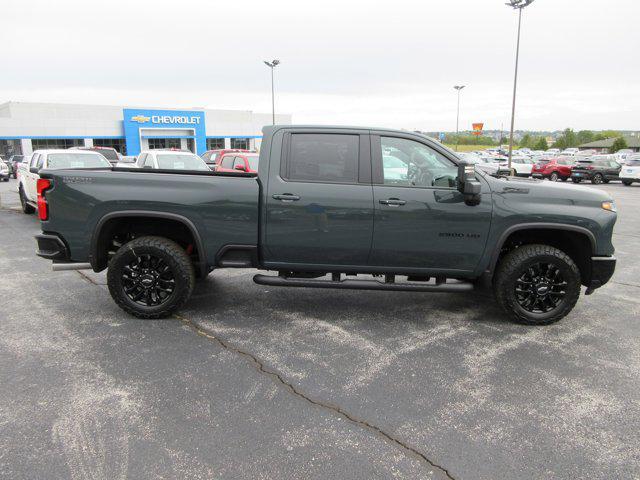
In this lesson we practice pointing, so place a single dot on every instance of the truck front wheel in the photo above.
(537, 284)
(150, 277)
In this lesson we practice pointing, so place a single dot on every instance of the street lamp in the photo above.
(272, 64)
(519, 5)
(458, 88)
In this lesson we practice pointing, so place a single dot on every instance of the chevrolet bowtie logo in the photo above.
(140, 119)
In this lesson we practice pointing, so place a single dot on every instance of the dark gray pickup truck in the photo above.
(332, 207)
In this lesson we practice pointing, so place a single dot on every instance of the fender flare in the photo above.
(538, 226)
(93, 252)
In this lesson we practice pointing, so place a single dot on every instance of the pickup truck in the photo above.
(52, 160)
(325, 211)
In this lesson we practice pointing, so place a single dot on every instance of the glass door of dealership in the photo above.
(153, 138)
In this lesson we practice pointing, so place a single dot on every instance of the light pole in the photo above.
(272, 64)
(458, 88)
(519, 5)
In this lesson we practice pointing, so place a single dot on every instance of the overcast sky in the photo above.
(372, 63)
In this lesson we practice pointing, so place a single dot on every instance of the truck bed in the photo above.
(222, 208)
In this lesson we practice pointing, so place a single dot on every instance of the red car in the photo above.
(553, 168)
(238, 161)
(212, 157)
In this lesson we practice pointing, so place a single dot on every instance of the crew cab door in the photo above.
(421, 221)
(37, 161)
(319, 201)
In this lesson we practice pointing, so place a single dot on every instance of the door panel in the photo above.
(319, 211)
(421, 220)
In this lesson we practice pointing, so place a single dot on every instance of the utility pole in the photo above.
(519, 5)
(458, 88)
(272, 64)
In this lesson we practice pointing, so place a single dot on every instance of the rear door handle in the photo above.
(392, 202)
(286, 197)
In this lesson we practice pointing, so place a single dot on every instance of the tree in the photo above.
(603, 135)
(566, 140)
(525, 141)
(585, 136)
(541, 144)
(618, 144)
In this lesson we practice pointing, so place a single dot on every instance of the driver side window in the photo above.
(407, 163)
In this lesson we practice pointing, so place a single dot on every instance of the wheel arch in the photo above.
(97, 256)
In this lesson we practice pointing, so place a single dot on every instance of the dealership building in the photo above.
(25, 127)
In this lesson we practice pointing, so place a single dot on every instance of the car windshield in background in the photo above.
(106, 153)
(181, 162)
(253, 162)
(77, 160)
(633, 163)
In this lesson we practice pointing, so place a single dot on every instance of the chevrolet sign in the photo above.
(167, 119)
(140, 119)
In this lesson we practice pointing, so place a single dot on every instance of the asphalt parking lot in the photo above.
(257, 382)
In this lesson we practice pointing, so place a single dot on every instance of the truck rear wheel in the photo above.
(26, 208)
(150, 277)
(537, 284)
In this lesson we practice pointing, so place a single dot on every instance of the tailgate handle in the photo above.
(393, 202)
(286, 197)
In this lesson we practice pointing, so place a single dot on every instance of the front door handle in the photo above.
(392, 202)
(286, 197)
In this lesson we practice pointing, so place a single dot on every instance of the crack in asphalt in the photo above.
(292, 389)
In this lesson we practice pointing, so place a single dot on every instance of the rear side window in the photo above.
(76, 160)
(323, 157)
(227, 162)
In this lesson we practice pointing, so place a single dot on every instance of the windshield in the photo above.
(181, 162)
(77, 160)
(106, 153)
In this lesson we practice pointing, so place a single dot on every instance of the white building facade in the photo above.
(25, 127)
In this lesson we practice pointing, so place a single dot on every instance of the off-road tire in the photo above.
(172, 254)
(26, 208)
(597, 179)
(554, 176)
(515, 263)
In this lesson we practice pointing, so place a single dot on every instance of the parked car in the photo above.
(552, 151)
(316, 208)
(212, 157)
(128, 161)
(553, 168)
(51, 160)
(170, 159)
(15, 160)
(490, 165)
(630, 172)
(597, 169)
(521, 165)
(4, 171)
(109, 153)
(570, 151)
(244, 162)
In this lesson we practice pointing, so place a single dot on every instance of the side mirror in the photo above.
(35, 170)
(241, 168)
(468, 185)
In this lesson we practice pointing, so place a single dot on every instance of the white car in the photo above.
(552, 151)
(4, 171)
(521, 165)
(488, 165)
(630, 172)
(160, 159)
(569, 151)
(128, 161)
(52, 160)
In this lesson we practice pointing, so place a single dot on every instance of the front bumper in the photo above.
(52, 247)
(602, 269)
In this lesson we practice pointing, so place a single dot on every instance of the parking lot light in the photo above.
(272, 64)
(519, 5)
(458, 88)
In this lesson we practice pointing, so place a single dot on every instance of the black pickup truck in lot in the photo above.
(332, 207)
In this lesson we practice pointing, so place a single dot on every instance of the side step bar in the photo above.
(354, 284)
(58, 267)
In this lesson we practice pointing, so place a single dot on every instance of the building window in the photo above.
(157, 143)
(215, 143)
(46, 143)
(10, 147)
(242, 143)
(173, 143)
(117, 143)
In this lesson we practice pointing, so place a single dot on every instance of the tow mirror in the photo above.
(468, 185)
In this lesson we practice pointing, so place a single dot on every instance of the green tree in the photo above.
(585, 136)
(618, 144)
(526, 141)
(540, 144)
(603, 135)
(567, 139)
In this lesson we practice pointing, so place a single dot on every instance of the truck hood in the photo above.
(548, 190)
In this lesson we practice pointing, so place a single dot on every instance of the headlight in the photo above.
(611, 206)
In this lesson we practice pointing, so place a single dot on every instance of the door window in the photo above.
(323, 157)
(407, 163)
(238, 161)
(148, 161)
(34, 160)
(40, 161)
(227, 162)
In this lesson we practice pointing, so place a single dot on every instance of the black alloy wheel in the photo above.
(541, 288)
(148, 280)
(597, 179)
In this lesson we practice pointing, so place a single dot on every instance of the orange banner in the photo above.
(477, 128)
